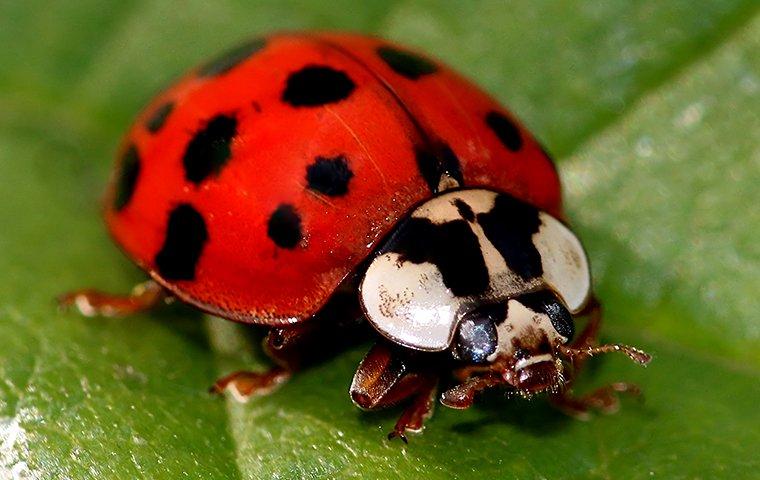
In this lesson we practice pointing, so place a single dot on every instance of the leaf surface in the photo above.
(652, 109)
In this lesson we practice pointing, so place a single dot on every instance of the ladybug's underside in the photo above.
(260, 182)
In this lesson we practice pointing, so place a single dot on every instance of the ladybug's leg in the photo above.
(296, 346)
(245, 385)
(286, 347)
(463, 395)
(423, 400)
(604, 399)
(388, 376)
(93, 303)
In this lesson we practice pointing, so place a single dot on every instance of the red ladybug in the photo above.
(310, 182)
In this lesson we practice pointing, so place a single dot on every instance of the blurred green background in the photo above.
(652, 110)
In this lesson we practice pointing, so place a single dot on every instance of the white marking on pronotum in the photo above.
(410, 304)
(564, 262)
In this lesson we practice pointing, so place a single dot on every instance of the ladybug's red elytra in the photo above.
(318, 183)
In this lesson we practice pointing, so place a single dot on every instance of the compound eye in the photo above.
(561, 320)
(476, 339)
(547, 303)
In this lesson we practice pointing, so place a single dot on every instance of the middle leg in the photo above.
(294, 347)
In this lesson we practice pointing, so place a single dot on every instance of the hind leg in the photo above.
(91, 303)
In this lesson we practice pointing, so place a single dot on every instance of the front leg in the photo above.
(388, 376)
(604, 399)
(462, 396)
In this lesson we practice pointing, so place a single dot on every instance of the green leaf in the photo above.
(653, 110)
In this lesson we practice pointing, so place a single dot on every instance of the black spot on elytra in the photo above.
(186, 236)
(407, 64)
(505, 129)
(329, 175)
(452, 247)
(209, 150)
(547, 303)
(231, 58)
(464, 210)
(284, 227)
(158, 118)
(317, 85)
(126, 178)
(510, 226)
(434, 164)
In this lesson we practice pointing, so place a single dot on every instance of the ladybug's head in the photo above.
(523, 344)
(517, 342)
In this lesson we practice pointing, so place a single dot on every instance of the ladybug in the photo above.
(326, 184)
